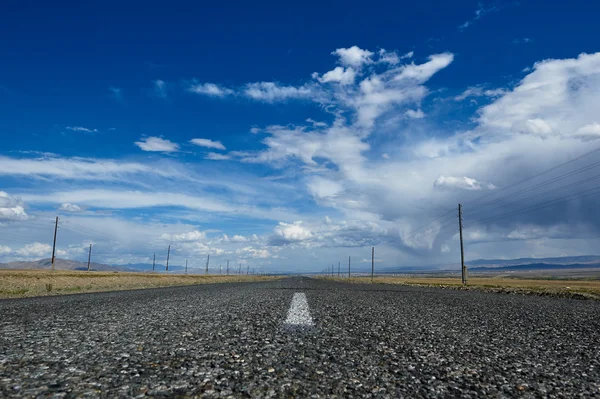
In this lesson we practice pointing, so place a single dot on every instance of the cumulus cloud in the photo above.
(418, 114)
(67, 207)
(291, 232)
(188, 236)
(38, 250)
(157, 144)
(340, 75)
(207, 143)
(11, 208)
(4, 250)
(353, 56)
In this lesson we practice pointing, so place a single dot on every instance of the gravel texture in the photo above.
(230, 340)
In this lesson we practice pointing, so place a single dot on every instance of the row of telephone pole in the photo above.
(463, 267)
(239, 272)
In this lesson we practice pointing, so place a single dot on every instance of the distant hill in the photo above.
(63, 264)
(537, 266)
(565, 260)
(66, 264)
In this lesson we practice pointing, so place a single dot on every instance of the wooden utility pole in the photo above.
(207, 260)
(168, 255)
(247, 269)
(462, 250)
(220, 269)
(54, 245)
(240, 269)
(186, 266)
(348, 267)
(339, 269)
(89, 257)
(228, 267)
(372, 263)
(153, 261)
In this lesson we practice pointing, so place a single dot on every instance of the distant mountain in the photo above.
(66, 264)
(565, 260)
(537, 266)
(63, 264)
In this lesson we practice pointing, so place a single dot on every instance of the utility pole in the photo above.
(207, 260)
(331, 270)
(462, 251)
(54, 245)
(228, 267)
(186, 266)
(247, 269)
(153, 261)
(372, 263)
(220, 269)
(348, 267)
(168, 255)
(339, 269)
(89, 257)
(240, 269)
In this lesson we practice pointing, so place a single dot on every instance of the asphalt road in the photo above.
(344, 340)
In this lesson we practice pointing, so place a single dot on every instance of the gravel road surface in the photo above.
(336, 340)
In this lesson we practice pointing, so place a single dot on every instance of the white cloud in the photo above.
(210, 89)
(340, 75)
(479, 91)
(353, 56)
(160, 88)
(272, 92)
(4, 250)
(38, 250)
(189, 236)
(81, 129)
(588, 132)
(81, 168)
(208, 143)
(213, 156)
(290, 232)
(11, 208)
(418, 114)
(423, 72)
(157, 144)
(67, 207)
(254, 253)
(465, 183)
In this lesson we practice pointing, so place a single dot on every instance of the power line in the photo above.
(544, 204)
(553, 180)
(542, 194)
(537, 175)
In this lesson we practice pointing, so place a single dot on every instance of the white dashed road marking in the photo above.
(298, 315)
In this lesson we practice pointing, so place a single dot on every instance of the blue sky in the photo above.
(290, 136)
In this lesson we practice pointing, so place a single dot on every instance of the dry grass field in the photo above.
(28, 283)
(583, 288)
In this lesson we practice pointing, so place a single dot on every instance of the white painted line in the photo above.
(298, 315)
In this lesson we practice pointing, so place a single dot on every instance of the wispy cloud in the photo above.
(157, 144)
(208, 143)
(116, 93)
(213, 156)
(483, 9)
(210, 89)
(160, 88)
(81, 129)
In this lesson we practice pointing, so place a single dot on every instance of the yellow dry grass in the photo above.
(589, 288)
(28, 283)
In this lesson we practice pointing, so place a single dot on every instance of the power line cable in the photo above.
(536, 175)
